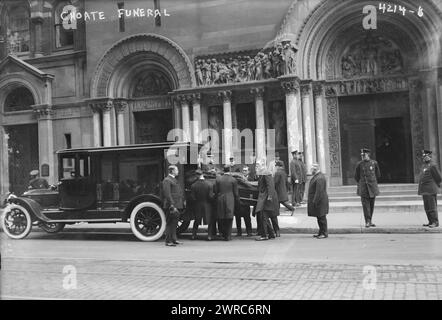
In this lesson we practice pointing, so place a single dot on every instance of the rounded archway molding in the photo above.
(13, 81)
(102, 81)
(316, 30)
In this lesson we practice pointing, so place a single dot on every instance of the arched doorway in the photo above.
(22, 140)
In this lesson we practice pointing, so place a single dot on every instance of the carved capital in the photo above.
(100, 105)
(184, 99)
(258, 93)
(318, 89)
(120, 105)
(43, 111)
(330, 91)
(291, 86)
(305, 89)
(195, 97)
(225, 95)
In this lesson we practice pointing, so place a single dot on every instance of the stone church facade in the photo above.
(306, 68)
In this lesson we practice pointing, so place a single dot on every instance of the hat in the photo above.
(365, 150)
(294, 151)
(426, 153)
(226, 168)
(231, 158)
(34, 173)
(199, 172)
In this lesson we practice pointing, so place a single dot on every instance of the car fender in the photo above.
(32, 206)
(138, 199)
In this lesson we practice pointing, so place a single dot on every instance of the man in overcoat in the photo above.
(303, 177)
(429, 184)
(173, 204)
(227, 196)
(267, 204)
(36, 182)
(244, 210)
(202, 194)
(295, 178)
(367, 174)
(280, 180)
(317, 204)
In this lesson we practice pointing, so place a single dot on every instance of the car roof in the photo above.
(159, 145)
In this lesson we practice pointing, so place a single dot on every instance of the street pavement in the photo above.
(92, 265)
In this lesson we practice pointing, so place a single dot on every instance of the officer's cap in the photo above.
(294, 151)
(426, 153)
(365, 150)
(34, 173)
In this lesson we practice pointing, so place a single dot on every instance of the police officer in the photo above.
(366, 175)
(295, 178)
(36, 182)
(429, 182)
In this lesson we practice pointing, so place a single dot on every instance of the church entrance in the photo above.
(22, 155)
(381, 123)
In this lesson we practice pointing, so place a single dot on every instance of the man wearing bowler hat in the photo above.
(295, 178)
(36, 182)
(366, 175)
(429, 183)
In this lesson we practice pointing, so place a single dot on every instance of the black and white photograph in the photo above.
(220, 155)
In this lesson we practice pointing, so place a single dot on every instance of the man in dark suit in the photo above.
(227, 197)
(317, 204)
(244, 210)
(202, 194)
(252, 167)
(36, 182)
(366, 175)
(280, 180)
(295, 178)
(303, 177)
(267, 204)
(429, 184)
(173, 203)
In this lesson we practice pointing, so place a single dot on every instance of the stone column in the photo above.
(107, 108)
(120, 108)
(4, 166)
(260, 139)
(96, 121)
(308, 124)
(196, 108)
(439, 112)
(294, 124)
(185, 114)
(46, 140)
(227, 132)
(321, 127)
(37, 21)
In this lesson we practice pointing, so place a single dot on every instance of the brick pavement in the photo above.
(191, 280)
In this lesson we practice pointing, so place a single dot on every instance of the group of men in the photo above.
(216, 204)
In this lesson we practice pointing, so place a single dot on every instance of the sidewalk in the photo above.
(338, 223)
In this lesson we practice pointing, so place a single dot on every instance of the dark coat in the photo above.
(202, 194)
(280, 180)
(38, 183)
(295, 170)
(227, 196)
(172, 193)
(317, 196)
(429, 180)
(303, 178)
(267, 196)
(366, 175)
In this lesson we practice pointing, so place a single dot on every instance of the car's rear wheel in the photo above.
(147, 221)
(52, 227)
(16, 221)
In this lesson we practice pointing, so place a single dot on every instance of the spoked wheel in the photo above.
(52, 227)
(16, 221)
(148, 221)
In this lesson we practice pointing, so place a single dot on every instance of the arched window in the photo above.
(19, 99)
(63, 37)
(17, 30)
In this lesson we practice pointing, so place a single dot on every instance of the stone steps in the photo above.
(405, 206)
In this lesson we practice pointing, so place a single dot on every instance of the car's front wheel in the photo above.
(16, 221)
(148, 221)
(52, 227)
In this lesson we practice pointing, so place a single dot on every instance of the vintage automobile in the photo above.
(110, 184)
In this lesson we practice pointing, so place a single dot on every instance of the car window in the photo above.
(68, 167)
